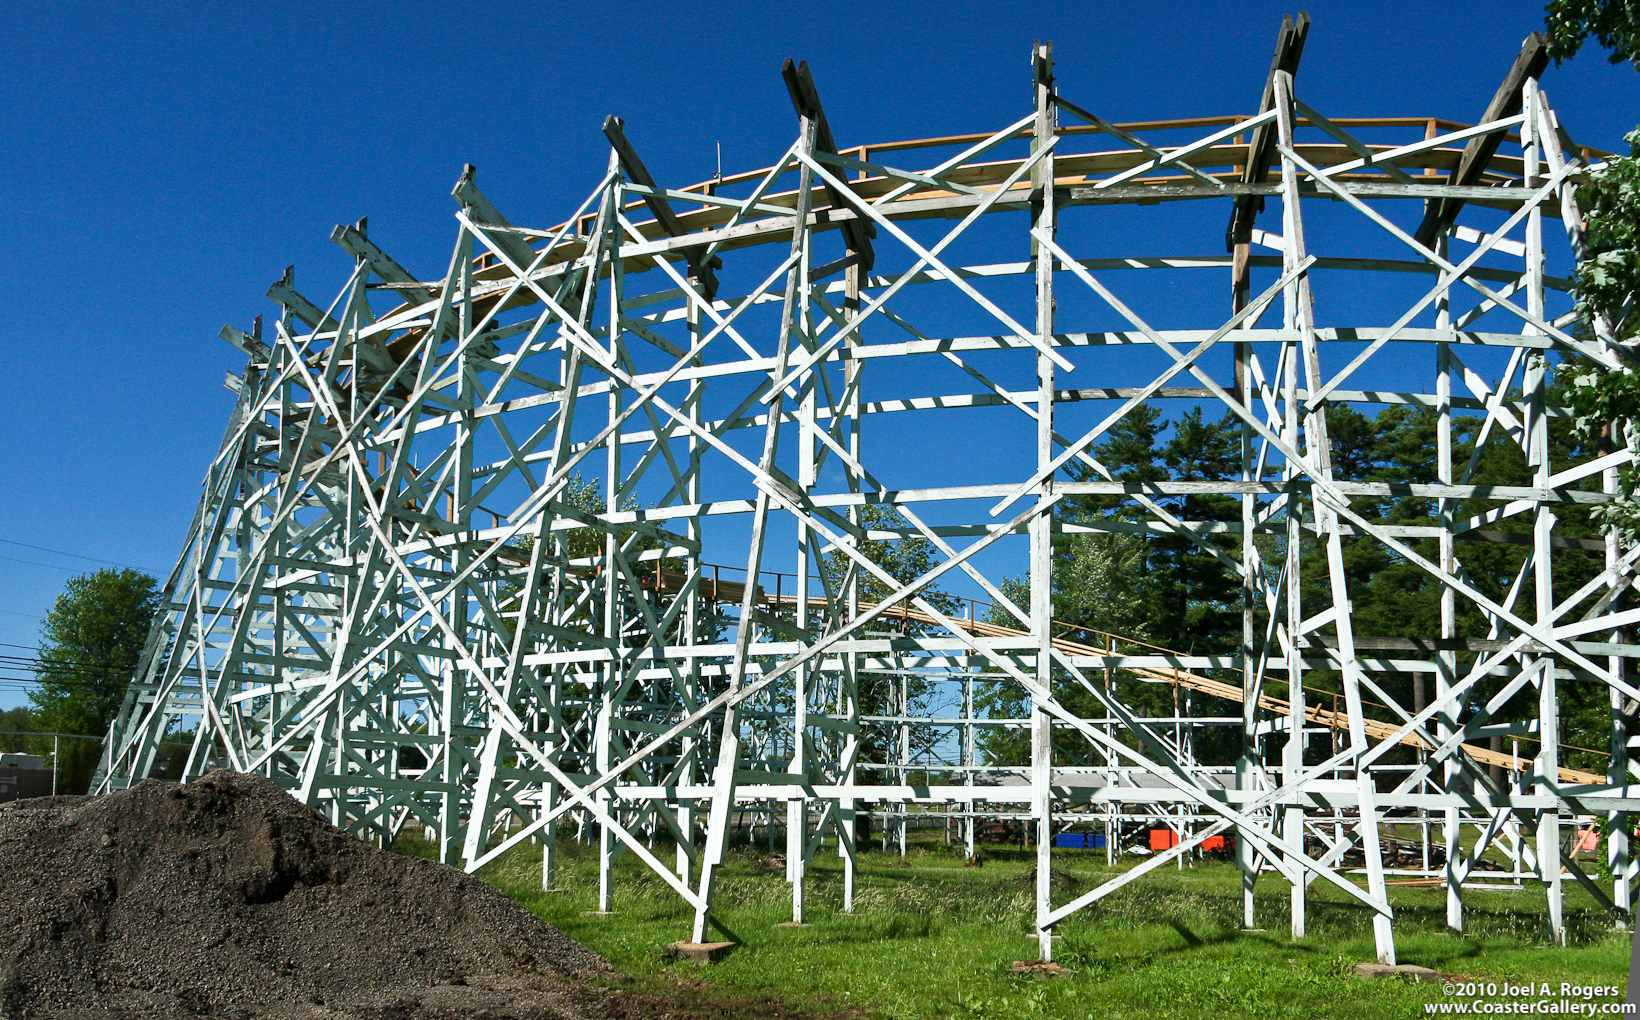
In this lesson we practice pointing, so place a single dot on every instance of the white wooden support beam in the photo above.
(1042, 526)
(351, 238)
(1261, 144)
(283, 292)
(805, 98)
(699, 267)
(1506, 102)
(483, 213)
(348, 592)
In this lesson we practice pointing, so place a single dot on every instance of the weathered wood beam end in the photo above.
(1261, 147)
(615, 131)
(1439, 214)
(805, 98)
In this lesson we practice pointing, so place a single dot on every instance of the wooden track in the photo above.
(1222, 162)
(734, 592)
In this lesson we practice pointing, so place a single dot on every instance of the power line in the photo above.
(37, 563)
(53, 662)
(52, 672)
(25, 682)
(77, 556)
(63, 666)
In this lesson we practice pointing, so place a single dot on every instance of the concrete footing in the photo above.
(701, 952)
(1404, 971)
(1041, 968)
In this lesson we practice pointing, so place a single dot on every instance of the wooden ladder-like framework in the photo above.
(405, 598)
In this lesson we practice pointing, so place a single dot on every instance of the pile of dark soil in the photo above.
(227, 898)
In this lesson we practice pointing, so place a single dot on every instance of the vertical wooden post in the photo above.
(849, 682)
(968, 756)
(452, 696)
(610, 680)
(1536, 438)
(693, 618)
(1042, 208)
(1446, 660)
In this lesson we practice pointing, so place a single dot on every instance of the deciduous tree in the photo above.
(89, 647)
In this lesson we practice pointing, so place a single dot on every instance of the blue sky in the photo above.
(166, 162)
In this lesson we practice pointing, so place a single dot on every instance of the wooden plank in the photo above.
(1506, 102)
(283, 292)
(480, 210)
(250, 343)
(1261, 147)
(1130, 138)
(1206, 685)
(1361, 189)
(702, 270)
(352, 239)
(806, 100)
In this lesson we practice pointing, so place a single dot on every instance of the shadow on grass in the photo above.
(933, 939)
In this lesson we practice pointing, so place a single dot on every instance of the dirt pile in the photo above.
(227, 898)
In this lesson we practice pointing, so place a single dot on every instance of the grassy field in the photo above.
(929, 938)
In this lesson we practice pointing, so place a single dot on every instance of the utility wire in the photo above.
(29, 662)
(77, 556)
(37, 682)
(37, 563)
(62, 663)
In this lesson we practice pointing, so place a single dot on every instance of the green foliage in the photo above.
(1123, 580)
(1175, 586)
(935, 939)
(1391, 597)
(1615, 23)
(1608, 275)
(89, 647)
(575, 546)
(588, 498)
(1609, 197)
(904, 559)
(1165, 589)
(1099, 577)
(18, 719)
(1606, 281)
(18, 726)
(1599, 398)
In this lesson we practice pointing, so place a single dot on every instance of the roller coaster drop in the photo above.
(350, 619)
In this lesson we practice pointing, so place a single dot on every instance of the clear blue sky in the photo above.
(165, 162)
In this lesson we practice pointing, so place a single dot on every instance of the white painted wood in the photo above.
(354, 594)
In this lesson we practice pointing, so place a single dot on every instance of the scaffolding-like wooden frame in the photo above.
(345, 617)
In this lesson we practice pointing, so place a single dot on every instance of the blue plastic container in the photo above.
(1080, 841)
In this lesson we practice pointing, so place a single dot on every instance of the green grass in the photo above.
(934, 939)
